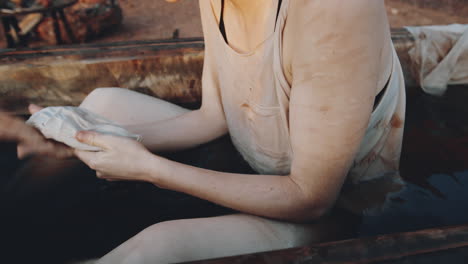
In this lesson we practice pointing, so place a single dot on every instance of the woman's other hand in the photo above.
(34, 143)
(30, 141)
(120, 158)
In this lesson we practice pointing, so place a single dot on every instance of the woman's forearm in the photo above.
(182, 132)
(271, 196)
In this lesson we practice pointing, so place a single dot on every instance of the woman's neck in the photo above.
(250, 9)
(249, 22)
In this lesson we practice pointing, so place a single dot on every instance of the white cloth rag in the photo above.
(62, 124)
(440, 56)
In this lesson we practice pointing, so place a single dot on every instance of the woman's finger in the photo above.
(103, 176)
(93, 139)
(64, 152)
(34, 108)
(23, 151)
(111, 180)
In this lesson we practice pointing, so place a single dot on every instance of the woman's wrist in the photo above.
(154, 169)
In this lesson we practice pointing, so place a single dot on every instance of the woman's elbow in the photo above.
(308, 210)
(306, 205)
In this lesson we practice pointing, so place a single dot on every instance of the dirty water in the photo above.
(95, 216)
(434, 165)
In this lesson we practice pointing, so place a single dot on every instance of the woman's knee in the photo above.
(159, 243)
(196, 239)
(100, 99)
(129, 107)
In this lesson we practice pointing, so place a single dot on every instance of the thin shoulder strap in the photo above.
(277, 11)
(222, 27)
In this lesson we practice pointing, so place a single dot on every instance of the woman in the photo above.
(312, 95)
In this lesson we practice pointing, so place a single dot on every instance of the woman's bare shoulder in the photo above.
(333, 25)
(322, 15)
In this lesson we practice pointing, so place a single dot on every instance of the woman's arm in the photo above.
(192, 128)
(125, 159)
(330, 105)
(182, 132)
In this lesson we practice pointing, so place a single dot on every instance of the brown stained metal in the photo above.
(65, 77)
(168, 69)
(362, 250)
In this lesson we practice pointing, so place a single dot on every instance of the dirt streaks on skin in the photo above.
(325, 108)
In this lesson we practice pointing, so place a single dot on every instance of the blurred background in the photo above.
(100, 21)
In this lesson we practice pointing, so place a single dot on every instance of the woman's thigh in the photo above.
(214, 237)
(127, 107)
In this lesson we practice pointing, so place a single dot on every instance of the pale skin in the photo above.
(333, 91)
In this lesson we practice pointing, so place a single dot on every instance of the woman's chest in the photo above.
(256, 116)
(248, 78)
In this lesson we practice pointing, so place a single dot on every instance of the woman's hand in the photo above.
(30, 141)
(120, 159)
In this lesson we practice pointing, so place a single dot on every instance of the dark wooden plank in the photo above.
(362, 250)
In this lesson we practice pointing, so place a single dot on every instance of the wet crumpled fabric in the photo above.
(440, 56)
(62, 124)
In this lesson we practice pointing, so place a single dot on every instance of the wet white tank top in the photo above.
(254, 93)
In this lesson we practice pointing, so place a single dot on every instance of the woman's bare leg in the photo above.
(214, 237)
(127, 107)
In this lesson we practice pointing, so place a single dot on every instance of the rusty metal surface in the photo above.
(65, 76)
(168, 69)
(364, 250)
